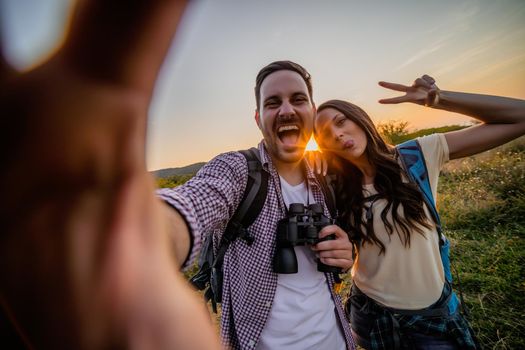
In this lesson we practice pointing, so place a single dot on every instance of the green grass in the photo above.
(482, 205)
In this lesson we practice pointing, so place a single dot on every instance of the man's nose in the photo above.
(286, 109)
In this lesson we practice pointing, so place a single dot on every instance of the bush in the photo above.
(395, 132)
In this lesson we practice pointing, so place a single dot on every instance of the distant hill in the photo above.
(187, 170)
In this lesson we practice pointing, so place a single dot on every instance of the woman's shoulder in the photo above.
(434, 145)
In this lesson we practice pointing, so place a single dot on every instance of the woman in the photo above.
(398, 275)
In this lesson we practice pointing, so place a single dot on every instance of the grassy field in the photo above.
(482, 205)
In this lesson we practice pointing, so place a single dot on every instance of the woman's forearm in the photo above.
(487, 108)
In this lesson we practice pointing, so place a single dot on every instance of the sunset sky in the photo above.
(204, 103)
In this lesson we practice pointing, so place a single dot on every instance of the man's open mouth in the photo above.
(288, 134)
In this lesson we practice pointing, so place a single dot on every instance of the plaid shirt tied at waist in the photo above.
(385, 328)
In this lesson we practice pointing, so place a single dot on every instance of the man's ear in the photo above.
(258, 118)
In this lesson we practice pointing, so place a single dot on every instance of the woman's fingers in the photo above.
(394, 100)
(422, 83)
(429, 79)
(394, 86)
(423, 91)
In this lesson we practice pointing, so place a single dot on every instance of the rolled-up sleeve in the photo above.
(210, 198)
(435, 150)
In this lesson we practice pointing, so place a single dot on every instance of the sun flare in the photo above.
(312, 145)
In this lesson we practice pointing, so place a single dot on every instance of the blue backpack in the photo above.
(415, 166)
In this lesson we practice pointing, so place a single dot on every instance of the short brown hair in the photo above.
(277, 66)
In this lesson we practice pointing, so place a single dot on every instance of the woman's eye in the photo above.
(340, 121)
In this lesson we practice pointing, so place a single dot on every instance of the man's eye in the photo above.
(271, 104)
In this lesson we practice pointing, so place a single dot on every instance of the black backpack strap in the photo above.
(252, 202)
(328, 187)
(249, 207)
(256, 189)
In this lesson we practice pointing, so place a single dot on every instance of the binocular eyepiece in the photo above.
(301, 227)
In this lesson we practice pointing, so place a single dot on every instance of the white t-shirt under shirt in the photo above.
(303, 313)
(404, 278)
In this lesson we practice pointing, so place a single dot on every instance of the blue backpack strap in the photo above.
(415, 166)
(414, 163)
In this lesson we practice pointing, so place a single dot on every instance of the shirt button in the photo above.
(268, 304)
(251, 344)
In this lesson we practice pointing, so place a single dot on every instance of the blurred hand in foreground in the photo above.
(86, 261)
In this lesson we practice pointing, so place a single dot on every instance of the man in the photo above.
(85, 260)
(262, 309)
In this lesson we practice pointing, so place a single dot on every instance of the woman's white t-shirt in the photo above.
(403, 277)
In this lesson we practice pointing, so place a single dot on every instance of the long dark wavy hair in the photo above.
(388, 182)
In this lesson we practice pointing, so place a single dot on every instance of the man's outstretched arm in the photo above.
(86, 253)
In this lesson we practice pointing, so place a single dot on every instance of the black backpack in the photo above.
(209, 275)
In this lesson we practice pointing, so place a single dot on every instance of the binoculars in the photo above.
(301, 227)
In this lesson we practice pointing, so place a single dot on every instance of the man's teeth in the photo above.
(287, 128)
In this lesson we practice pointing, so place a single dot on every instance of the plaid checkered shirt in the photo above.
(207, 202)
(389, 329)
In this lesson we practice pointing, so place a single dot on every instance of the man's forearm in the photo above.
(179, 235)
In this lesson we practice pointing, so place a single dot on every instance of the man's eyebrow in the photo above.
(277, 97)
(299, 93)
(273, 97)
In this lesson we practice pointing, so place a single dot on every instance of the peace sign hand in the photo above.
(423, 92)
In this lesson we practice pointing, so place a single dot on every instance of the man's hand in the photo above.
(86, 260)
(336, 252)
(423, 91)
